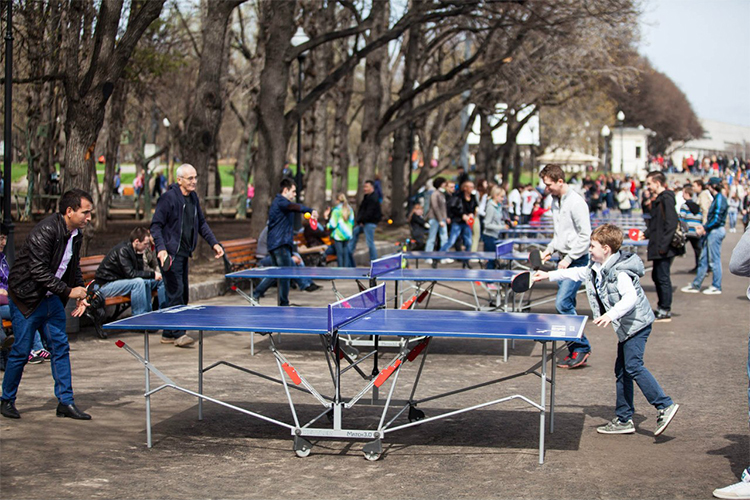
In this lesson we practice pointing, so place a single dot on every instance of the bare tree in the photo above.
(198, 139)
(94, 59)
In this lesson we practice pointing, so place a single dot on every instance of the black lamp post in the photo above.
(8, 164)
(299, 38)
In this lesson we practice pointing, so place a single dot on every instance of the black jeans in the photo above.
(663, 281)
(178, 289)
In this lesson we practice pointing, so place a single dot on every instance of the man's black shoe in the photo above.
(8, 409)
(71, 411)
(313, 287)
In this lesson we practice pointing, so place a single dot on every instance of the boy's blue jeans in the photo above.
(48, 318)
(629, 368)
(566, 303)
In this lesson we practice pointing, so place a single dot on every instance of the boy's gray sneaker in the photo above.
(664, 417)
(617, 427)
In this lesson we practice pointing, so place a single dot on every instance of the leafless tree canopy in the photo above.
(378, 77)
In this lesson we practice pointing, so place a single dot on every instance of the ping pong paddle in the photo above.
(167, 263)
(535, 259)
(314, 223)
(470, 221)
(634, 234)
(522, 282)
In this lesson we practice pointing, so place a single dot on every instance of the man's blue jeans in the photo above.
(629, 368)
(48, 318)
(710, 249)
(369, 229)
(435, 227)
(458, 229)
(566, 303)
(282, 257)
(139, 290)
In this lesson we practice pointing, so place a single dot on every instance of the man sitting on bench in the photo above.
(122, 273)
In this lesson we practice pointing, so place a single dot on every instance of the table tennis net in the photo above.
(503, 248)
(385, 265)
(349, 309)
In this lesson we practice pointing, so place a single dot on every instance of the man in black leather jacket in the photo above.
(121, 272)
(45, 275)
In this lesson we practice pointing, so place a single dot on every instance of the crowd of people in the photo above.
(458, 214)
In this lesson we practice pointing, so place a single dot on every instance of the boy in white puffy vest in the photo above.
(614, 291)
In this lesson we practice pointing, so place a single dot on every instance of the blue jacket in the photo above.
(717, 213)
(281, 222)
(166, 226)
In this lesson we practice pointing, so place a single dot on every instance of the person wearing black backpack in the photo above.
(660, 232)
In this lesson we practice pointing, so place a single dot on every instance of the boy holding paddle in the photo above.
(614, 291)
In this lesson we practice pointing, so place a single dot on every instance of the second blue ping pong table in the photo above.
(361, 314)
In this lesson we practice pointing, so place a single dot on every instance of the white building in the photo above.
(629, 151)
(720, 139)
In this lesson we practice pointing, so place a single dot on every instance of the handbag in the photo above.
(679, 238)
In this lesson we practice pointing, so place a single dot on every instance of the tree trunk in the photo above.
(402, 138)
(245, 153)
(486, 156)
(199, 139)
(367, 152)
(320, 61)
(115, 121)
(340, 154)
(273, 131)
(90, 77)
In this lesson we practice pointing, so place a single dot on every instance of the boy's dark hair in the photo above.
(608, 234)
(658, 177)
(699, 183)
(437, 182)
(368, 181)
(286, 183)
(72, 199)
(139, 233)
(554, 172)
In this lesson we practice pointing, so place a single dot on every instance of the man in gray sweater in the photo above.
(740, 265)
(572, 235)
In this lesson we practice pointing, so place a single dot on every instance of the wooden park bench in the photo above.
(98, 315)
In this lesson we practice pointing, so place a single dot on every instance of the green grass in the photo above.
(226, 171)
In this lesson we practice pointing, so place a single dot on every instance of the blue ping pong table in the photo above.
(361, 314)
(391, 268)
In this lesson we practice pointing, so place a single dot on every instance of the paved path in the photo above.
(699, 358)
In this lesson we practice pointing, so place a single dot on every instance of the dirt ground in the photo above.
(699, 358)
